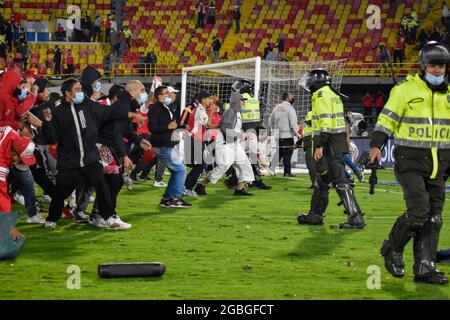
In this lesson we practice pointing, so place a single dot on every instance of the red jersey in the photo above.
(379, 101)
(144, 129)
(367, 100)
(211, 134)
(70, 59)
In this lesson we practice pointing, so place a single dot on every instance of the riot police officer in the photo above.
(417, 114)
(330, 143)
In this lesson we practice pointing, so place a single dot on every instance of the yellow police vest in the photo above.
(308, 129)
(327, 112)
(250, 112)
(417, 117)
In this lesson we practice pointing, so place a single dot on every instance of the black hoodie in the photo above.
(75, 128)
(88, 76)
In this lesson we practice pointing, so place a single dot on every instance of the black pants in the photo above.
(285, 151)
(195, 155)
(70, 69)
(57, 67)
(96, 34)
(368, 114)
(115, 183)
(40, 176)
(335, 175)
(107, 34)
(398, 54)
(422, 220)
(310, 163)
(68, 179)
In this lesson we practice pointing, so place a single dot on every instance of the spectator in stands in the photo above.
(87, 29)
(107, 28)
(57, 60)
(15, 23)
(70, 59)
(280, 46)
(200, 14)
(367, 102)
(444, 13)
(216, 49)
(60, 34)
(267, 49)
(2, 4)
(22, 36)
(379, 102)
(7, 31)
(412, 27)
(435, 35)
(114, 24)
(272, 55)
(142, 64)
(423, 38)
(96, 31)
(2, 46)
(237, 18)
(211, 12)
(127, 33)
(151, 60)
(383, 58)
(24, 50)
(122, 43)
(114, 40)
(399, 49)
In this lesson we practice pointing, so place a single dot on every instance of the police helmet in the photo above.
(317, 78)
(242, 86)
(434, 53)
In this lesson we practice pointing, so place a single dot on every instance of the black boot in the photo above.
(310, 218)
(393, 261)
(392, 249)
(425, 248)
(355, 217)
(259, 184)
(200, 189)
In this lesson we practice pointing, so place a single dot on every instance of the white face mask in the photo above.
(168, 101)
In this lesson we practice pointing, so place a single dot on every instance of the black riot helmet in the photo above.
(317, 79)
(434, 53)
(242, 86)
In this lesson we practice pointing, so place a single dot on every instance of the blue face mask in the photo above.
(434, 80)
(98, 87)
(142, 98)
(168, 101)
(79, 97)
(22, 95)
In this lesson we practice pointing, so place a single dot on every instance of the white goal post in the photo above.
(270, 80)
(222, 65)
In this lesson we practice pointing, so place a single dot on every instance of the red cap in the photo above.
(25, 148)
(31, 73)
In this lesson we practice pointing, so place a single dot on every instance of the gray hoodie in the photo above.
(284, 119)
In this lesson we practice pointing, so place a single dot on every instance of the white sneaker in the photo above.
(19, 198)
(50, 225)
(46, 198)
(160, 184)
(115, 223)
(36, 219)
(189, 193)
(98, 221)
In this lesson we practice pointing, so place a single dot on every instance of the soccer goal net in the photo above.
(270, 79)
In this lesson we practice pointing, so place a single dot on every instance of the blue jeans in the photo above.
(23, 180)
(173, 161)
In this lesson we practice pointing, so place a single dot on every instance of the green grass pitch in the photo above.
(205, 249)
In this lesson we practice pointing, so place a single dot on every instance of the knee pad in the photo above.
(436, 221)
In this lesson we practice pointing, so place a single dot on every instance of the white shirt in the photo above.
(200, 119)
(444, 11)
